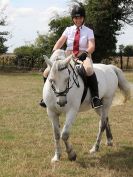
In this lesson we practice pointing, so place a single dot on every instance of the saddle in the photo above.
(81, 71)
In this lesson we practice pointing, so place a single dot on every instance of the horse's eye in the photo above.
(52, 81)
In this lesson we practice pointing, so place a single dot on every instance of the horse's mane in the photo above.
(59, 54)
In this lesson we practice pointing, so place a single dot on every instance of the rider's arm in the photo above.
(60, 42)
(91, 46)
(89, 51)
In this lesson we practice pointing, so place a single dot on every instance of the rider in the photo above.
(86, 48)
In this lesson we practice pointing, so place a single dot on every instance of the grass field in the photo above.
(26, 139)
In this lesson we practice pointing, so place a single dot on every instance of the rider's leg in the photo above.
(92, 82)
(45, 75)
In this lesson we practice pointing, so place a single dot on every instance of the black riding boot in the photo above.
(93, 85)
(42, 102)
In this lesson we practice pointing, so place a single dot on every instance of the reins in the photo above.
(75, 80)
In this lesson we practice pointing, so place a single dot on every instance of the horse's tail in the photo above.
(123, 83)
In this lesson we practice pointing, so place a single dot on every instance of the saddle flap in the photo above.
(81, 71)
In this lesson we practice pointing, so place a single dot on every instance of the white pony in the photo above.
(63, 92)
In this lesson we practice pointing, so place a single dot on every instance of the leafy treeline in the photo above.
(32, 55)
(125, 51)
(105, 17)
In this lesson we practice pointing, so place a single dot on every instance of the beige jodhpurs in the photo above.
(46, 72)
(87, 63)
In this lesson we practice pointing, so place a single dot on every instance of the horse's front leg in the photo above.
(54, 117)
(70, 117)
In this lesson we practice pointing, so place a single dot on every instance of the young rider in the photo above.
(86, 46)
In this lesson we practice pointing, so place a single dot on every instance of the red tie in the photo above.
(76, 42)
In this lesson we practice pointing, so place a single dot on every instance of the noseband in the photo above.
(75, 80)
(63, 93)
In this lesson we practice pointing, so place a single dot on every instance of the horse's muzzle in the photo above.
(62, 103)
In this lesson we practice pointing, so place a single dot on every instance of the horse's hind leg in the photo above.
(109, 134)
(103, 124)
(107, 104)
(56, 130)
(65, 135)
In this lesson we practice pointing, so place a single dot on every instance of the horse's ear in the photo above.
(47, 60)
(68, 59)
(63, 63)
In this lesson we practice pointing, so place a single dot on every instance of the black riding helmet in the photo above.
(78, 11)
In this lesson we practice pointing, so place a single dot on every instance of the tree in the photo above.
(45, 43)
(128, 51)
(121, 51)
(3, 39)
(107, 18)
(27, 56)
(57, 26)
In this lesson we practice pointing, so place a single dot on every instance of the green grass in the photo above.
(129, 75)
(26, 139)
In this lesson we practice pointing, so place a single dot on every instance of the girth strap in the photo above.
(84, 94)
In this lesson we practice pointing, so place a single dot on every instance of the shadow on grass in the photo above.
(120, 160)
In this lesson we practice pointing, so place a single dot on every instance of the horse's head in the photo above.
(59, 79)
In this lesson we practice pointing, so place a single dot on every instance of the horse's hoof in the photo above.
(109, 143)
(94, 149)
(55, 159)
(72, 156)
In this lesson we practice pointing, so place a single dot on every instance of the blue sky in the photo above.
(26, 17)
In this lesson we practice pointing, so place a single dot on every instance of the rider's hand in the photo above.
(83, 56)
(76, 59)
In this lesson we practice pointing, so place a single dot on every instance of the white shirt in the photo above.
(85, 35)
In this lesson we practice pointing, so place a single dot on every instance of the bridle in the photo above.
(75, 81)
